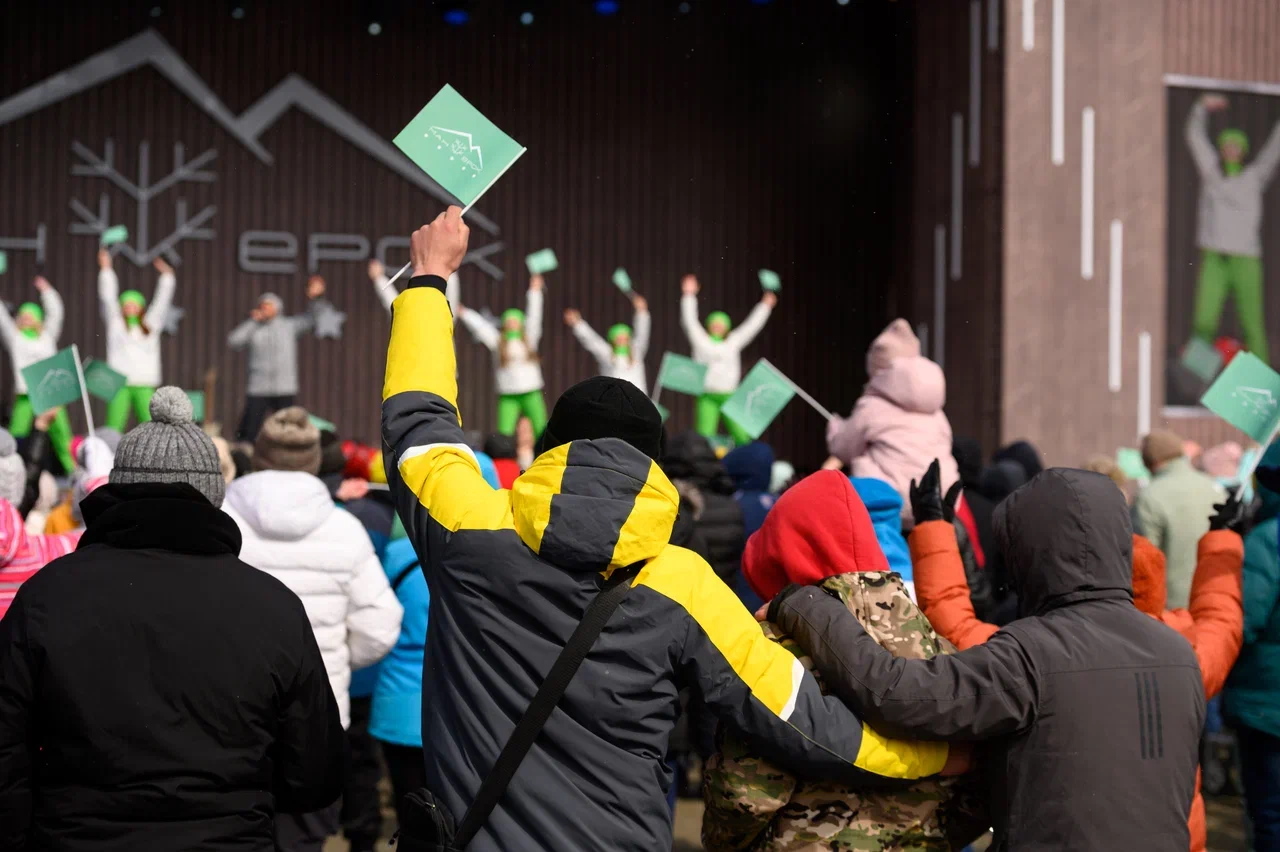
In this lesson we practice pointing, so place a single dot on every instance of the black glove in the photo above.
(1228, 515)
(927, 502)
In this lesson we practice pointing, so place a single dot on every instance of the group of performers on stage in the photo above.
(269, 338)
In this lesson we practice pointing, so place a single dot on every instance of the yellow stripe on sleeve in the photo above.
(420, 355)
(892, 758)
(447, 482)
(535, 487)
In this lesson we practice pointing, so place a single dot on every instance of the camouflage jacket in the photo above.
(753, 805)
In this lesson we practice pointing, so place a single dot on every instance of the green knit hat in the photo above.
(615, 331)
(719, 316)
(513, 314)
(133, 297)
(32, 309)
(1236, 135)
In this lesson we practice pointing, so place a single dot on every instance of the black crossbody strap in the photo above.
(404, 574)
(544, 702)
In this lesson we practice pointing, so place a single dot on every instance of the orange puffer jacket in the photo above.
(1213, 623)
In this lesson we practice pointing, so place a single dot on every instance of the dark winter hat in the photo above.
(171, 448)
(605, 407)
(288, 441)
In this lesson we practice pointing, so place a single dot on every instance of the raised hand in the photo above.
(1214, 103)
(104, 259)
(161, 265)
(639, 303)
(927, 502)
(375, 269)
(689, 285)
(572, 317)
(42, 283)
(438, 248)
(1228, 515)
(315, 287)
(770, 299)
(537, 282)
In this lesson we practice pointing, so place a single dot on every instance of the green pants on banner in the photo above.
(707, 418)
(512, 405)
(1231, 274)
(118, 409)
(24, 417)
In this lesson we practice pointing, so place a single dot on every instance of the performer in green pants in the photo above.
(133, 338)
(1229, 227)
(30, 336)
(517, 371)
(721, 350)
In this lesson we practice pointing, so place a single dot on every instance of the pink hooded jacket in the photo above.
(897, 426)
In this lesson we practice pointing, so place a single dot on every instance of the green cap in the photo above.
(617, 329)
(719, 316)
(1236, 135)
(33, 309)
(513, 314)
(133, 297)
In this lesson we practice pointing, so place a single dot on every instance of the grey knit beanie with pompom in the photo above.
(13, 471)
(171, 448)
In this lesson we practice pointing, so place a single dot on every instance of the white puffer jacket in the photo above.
(294, 532)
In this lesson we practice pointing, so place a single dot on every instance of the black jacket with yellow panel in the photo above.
(511, 573)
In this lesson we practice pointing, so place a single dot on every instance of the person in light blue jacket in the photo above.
(396, 720)
(884, 504)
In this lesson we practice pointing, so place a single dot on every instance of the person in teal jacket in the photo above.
(1252, 695)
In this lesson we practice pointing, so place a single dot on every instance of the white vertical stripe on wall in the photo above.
(993, 25)
(975, 79)
(939, 293)
(1058, 94)
(1028, 24)
(1144, 383)
(957, 192)
(1086, 193)
(1115, 307)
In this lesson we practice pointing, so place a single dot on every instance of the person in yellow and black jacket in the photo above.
(511, 574)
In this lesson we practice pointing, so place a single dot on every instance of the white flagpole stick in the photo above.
(800, 392)
(84, 391)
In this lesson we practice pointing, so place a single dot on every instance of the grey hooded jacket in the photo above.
(1090, 709)
(273, 350)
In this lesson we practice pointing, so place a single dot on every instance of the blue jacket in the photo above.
(751, 467)
(397, 698)
(1252, 694)
(884, 504)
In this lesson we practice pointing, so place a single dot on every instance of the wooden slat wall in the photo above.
(721, 141)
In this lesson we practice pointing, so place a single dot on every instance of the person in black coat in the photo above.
(155, 691)
(706, 487)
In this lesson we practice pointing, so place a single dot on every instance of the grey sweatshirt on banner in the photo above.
(273, 349)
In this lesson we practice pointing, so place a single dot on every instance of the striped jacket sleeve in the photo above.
(432, 473)
(765, 695)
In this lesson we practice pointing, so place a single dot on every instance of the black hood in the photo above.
(690, 457)
(1066, 537)
(162, 516)
(1024, 454)
(968, 455)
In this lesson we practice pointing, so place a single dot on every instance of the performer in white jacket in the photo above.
(721, 351)
(517, 372)
(387, 291)
(133, 338)
(621, 352)
(32, 335)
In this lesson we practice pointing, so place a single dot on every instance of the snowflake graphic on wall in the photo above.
(142, 190)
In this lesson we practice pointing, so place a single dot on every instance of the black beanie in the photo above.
(604, 407)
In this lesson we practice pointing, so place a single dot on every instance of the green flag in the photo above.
(197, 405)
(622, 280)
(114, 235)
(663, 412)
(1131, 465)
(681, 374)
(457, 146)
(54, 381)
(102, 381)
(759, 399)
(542, 262)
(322, 424)
(1202, 358)
(770, 280)
(4, 263)
(1247, 395)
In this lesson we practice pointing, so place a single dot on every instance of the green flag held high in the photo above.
(1131, 465)
(770, 280)
(322, 424)
(681, 374)
(54, 381)
(1202, 358)
(542, 262)
(4, 263)
(114, 235)
(102, 381)
(457, 146)
(197, 405)
(1247, 395)
(622, 280)
(759, 399)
